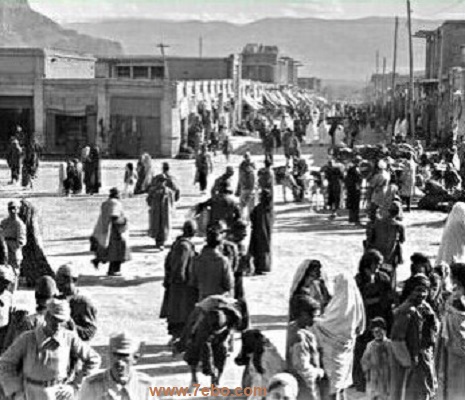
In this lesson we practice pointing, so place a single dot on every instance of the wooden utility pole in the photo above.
(383, 87)
(377, 76)
(162, 48)
(393, 83)
(412, 84)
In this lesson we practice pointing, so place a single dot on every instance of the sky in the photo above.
(243, 11)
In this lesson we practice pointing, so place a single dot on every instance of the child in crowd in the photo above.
(130, 179)
(303, 356)
(375, 362)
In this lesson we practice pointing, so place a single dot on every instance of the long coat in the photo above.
(260, 239)
(160, 200)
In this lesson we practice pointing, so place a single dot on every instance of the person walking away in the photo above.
(71, 181)
(414, 334)
(110, 239)
(277, 136)
(83, 311)
(15, 235)
(204, 167)
(160, 200)
(246, 186)
(30, 163)
(262, 220)
(120, 380)
(266, 178)
(375, 361)
(227, 148)
(353, 183)
(13, 159)
(409, 176)
(130, 179)
(269, 145)
(34, 264)
(36, 366)
(302, 355)
(93, 171)
(212, 272)
(451, 359)
(378, 299)
(387, 236)
(180, 298)
(335, 178)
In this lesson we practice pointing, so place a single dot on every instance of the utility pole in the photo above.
(200, 46)
(383, 88)
(376, 76)
(162, 48)
(393, 84)
(412, 85)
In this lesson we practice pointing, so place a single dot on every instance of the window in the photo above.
(140, 72)
(158, 72)
(123, 72)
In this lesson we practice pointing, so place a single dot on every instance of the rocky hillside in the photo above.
(20, 26)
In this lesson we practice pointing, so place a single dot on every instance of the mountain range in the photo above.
(21, 26)
(329, 49)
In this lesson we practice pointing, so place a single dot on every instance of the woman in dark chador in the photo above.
(30, 163)
(35, 264)
(262, 219)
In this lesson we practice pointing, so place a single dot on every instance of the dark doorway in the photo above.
(9, 120)
(70, 134)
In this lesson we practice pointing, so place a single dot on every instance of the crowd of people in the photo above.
(391, 340)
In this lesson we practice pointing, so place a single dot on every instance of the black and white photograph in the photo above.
(244, 199)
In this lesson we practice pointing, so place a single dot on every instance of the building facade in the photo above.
(311, 83)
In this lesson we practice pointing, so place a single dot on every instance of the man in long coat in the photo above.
(353, 183)
(180, 298)
(160, 200)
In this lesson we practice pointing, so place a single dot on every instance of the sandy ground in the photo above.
(132, 303)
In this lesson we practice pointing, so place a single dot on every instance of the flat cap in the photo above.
(7, 273)
(122, 343)
(59, 309)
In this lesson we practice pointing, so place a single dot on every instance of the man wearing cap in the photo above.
(83, 312)
(212, 272)
(414, 334)
(37, 364)
(353, 182)
(120, 381)
(219, 182)
(14, 232)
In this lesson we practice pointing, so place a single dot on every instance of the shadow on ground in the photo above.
(106, 281)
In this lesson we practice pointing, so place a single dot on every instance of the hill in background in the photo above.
(20, 26)
(330, 49)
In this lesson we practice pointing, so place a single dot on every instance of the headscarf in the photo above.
(452, 248)
(300, 274)
(344, 317)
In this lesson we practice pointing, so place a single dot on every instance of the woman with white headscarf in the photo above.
(336, 332)
(452, 248)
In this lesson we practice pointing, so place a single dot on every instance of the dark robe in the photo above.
(353, 184)
(30, 164)
(92, 171)
(180, 298)
(34, 264)
(260, 239)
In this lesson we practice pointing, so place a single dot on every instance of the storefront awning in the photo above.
(251, 102)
